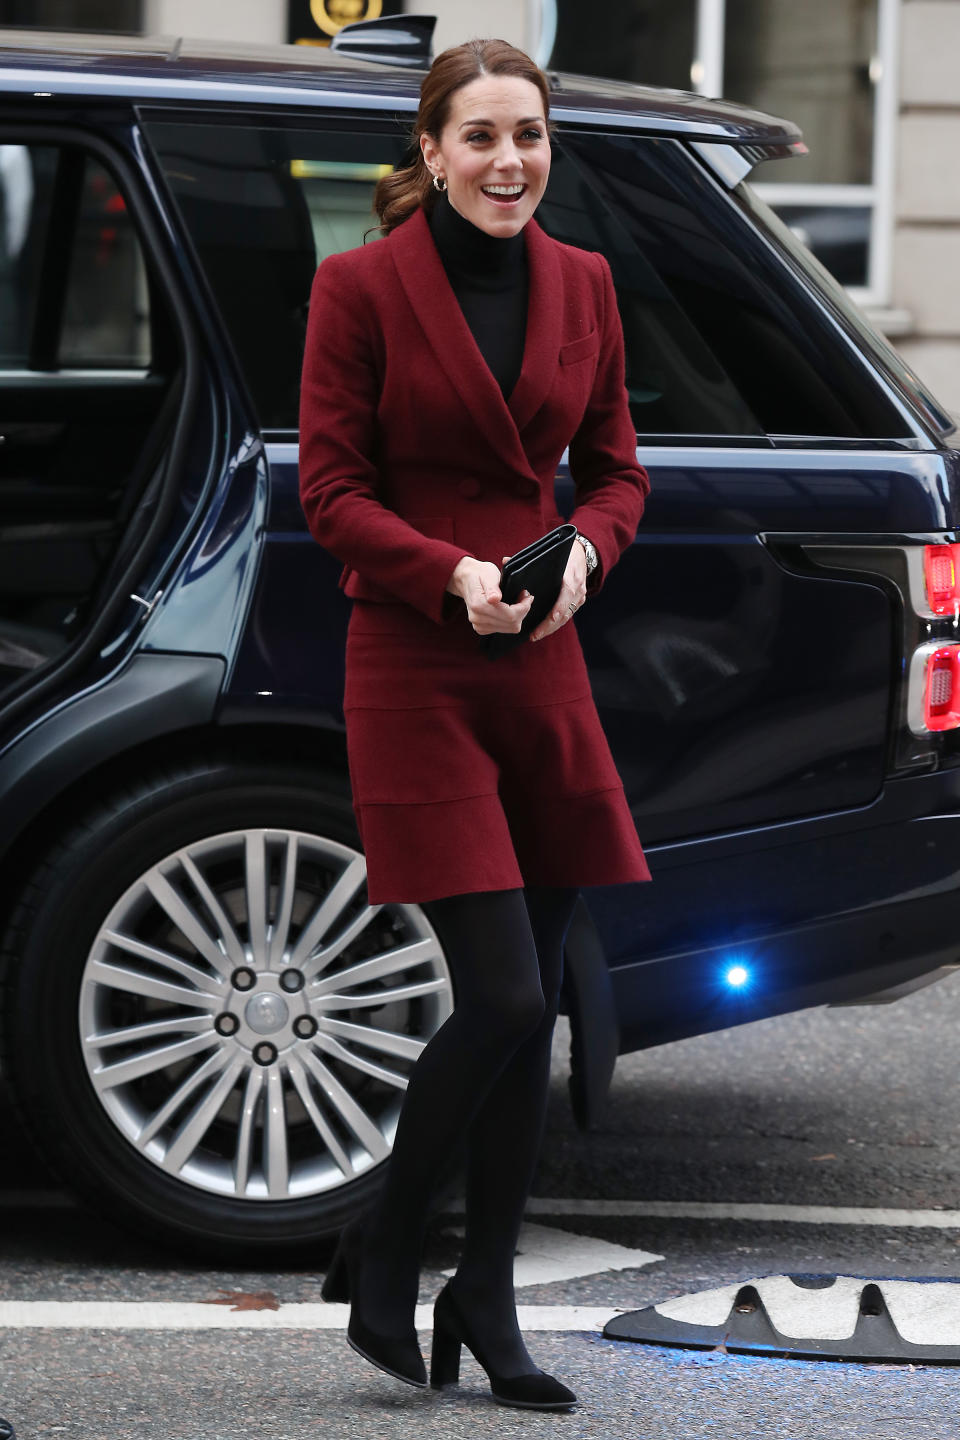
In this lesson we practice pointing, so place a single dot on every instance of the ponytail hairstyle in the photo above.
(410, 187)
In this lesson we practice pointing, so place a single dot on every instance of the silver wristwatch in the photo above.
(590, 551)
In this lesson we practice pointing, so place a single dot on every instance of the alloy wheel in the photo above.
(249, 1021)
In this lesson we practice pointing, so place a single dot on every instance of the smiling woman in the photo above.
(482, 121)
(445, 372)
(493, 153)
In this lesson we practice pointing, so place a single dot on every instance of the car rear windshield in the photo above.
(826, 285)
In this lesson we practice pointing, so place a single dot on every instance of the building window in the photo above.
(829, 65)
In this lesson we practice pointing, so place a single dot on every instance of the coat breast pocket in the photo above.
(583, 349)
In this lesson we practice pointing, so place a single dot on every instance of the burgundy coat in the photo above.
(410, 458)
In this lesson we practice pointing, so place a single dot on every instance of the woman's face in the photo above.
(493, 152)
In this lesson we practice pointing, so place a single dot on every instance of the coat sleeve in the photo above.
(610, 484)
(338, 445)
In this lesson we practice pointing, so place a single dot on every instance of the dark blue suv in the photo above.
(206, 1026)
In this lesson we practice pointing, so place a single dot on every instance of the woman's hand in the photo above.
(477, 582)
(573, 592)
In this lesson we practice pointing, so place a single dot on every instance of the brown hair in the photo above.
(410, 186)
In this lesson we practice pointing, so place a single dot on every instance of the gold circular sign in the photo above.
(331, 15)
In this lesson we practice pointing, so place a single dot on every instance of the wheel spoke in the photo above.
(245, 1131)
(187, 921)
(378, 998)
(387, 1041)
(122, 1072)
(201, 978)
(255, 864)
(201, 1117)
(332, 905)
(231, 941)
(184, 1090)
(149, 1030)
(368, 1067)
(132, 982)
(323, 1129)
(280, 929)
(328, 953)
(390, 962)
(276, 1162)
(355, 1118)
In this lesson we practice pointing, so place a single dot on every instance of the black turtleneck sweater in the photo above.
(489, 278)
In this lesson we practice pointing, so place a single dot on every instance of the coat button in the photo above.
(469, 488)
(527, 488)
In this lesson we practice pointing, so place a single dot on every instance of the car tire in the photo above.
(122, 961)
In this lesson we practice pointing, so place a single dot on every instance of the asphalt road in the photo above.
(831, 1108)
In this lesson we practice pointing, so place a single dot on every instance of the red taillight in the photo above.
(941, 700)
(941, 573)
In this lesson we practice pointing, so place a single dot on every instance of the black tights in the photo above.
(484, 1074)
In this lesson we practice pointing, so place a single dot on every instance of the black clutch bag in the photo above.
(538, 568)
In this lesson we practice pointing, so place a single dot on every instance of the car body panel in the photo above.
(149, 696)
(208, 598)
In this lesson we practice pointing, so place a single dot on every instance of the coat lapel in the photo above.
(435, 306)
(542, 344)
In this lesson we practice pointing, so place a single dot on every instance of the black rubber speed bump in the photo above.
(837, 1324)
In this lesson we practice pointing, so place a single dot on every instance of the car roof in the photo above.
(158, 68)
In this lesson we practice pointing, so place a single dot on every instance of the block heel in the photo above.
(444, 1357)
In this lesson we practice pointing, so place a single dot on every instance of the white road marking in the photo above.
(925, 1312)
(637, 1209)
(180, 1315)
(722, 1210)
(545, 1256)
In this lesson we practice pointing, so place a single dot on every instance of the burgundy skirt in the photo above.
(470, 774)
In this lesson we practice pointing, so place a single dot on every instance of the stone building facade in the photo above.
(925, 281)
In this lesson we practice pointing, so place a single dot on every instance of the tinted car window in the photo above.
(26, 190)
(712, 348)
(63, 217)
(263, 207)
(647, 206)
(676, 378)
(106, 316)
